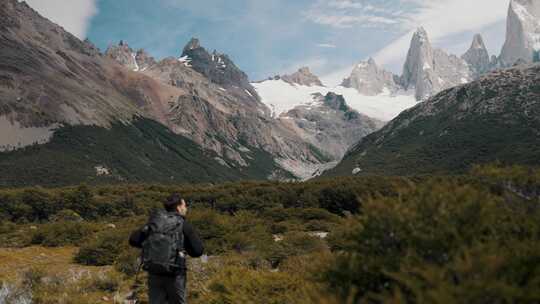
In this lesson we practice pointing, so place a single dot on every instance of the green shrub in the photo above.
(103, 248)
(128, 261)
(61, 233)
(402, 247)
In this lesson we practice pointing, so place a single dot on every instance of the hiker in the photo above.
(164, 241)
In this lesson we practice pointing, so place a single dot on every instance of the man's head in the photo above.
(175, 203)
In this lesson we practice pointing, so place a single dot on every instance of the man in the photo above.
(169, 286)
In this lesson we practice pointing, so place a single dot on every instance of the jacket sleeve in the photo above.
(136, 238)
(192, 242)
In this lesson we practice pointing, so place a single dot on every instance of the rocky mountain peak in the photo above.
(522, 32)
(478, 56)
(369, 79)
(123, 54)
(218, 68)
(430, 70)
(421, 36)
(478, 42)
(303, 76)
(193, 44)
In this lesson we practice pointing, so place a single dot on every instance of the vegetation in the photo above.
(472, 238)
(143, 151)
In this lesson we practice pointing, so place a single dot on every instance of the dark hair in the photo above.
(174, 200)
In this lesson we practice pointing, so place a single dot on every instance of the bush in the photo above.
(62, 233)
(128, 262)
(433, 236)
(105, 281)
(294, 244)
(240, 285)
(104, 248)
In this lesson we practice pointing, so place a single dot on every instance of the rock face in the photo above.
(371, 80)
(302, 77)
(218, 68)
(495, 118)
(478, 57)
(431, 70)
(123, 54)
(329, 125)
(48, 77)
(522, 32)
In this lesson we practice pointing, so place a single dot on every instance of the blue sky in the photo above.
(268, 37)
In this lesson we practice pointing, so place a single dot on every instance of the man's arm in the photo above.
(192, 242)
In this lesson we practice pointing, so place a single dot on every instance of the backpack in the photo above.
(162, 250)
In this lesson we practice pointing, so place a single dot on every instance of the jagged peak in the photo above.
(531, 6)
(421, 33)
(194, 43)
(478, 42)
(303, 76)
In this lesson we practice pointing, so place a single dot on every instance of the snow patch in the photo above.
(186, 60)
(282, 97)
(134, 56)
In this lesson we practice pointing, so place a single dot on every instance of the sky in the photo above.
(270, 37)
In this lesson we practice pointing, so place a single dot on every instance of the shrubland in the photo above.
(471, 238)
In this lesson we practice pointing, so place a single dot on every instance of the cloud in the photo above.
(326, 45)
(73, 15)
(351, 13)
(441, 19)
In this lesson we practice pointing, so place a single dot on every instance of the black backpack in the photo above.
(162, 250)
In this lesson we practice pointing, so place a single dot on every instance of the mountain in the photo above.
(330, 125)
(522, 32)
(369, 79)
(189, 113)
(66, 110)
(218, 68)
(495, 118)
(430, 70)
(302, 77)
(478, 57)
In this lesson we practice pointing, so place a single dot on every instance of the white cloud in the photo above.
(326, 45)
(443, 18)
(350, 13)
(73, 15)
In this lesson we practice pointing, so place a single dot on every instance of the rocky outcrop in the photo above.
(218, 68)
(329, 125)
(302, 77)
(123, 54)
(522, 32)
(478, 57)
(144, 60)
(430, 70)
(369, 79)
(126, 56)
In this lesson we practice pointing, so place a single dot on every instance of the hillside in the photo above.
(496, 118)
